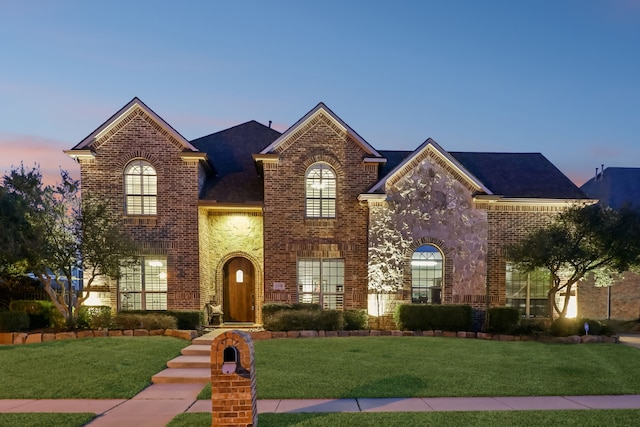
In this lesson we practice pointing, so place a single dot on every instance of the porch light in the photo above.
(239, 276)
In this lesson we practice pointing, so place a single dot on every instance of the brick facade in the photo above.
(429, 199)
(289, 235)
(173, 232)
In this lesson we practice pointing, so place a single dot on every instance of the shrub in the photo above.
(14, 321)
(305, 319)
(532, 327)
(355, 320)
(327, 320)
(127, 320)
(42, 314)
(185, 319)
(502, 320)
(563, 327)
(94, 317)
(419, 317)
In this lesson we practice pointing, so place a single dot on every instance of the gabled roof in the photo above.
(318, 112)
(235, 178)
(519, 175)
(124, 114)
(615, 187)
(429, 148)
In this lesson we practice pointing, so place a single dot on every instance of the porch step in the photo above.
(197, 350)
(182, 375)
(203, 361)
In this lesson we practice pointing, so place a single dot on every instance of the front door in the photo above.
(239, 288)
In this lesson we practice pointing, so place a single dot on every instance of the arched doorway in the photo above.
(239, 291)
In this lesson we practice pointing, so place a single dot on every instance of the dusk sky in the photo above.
(557, 77)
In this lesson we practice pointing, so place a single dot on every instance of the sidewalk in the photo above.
(158, 404)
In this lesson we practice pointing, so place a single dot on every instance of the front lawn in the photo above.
(35, 419)
(578, 418)
(437, 367)
(91, 368)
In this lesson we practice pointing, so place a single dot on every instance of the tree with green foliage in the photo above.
(581, 240)
(66, 233)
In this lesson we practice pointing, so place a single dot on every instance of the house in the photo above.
(249, 215)
(617, 188)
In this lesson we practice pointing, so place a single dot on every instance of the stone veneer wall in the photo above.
(430, 206)
(289, 235)
(230, 235)
(173, 232)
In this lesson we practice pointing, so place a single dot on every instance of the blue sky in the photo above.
(557, 77)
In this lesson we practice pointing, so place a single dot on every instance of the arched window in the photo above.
(320, 191)
(426, 275)
(140, 188)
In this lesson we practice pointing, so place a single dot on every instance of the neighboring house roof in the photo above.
(615, 187)
(235, 178)
(320, 111)
(519, 175)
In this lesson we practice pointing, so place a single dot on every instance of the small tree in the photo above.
(581, 240)
(72, 234)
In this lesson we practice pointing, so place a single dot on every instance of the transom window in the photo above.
(320, 191)
(426, 275)
(321, 281)
(528, 291)
(143, 285)
(141, 188)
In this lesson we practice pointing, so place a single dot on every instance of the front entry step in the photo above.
(190, 362)
(182, 375)
(197, 350)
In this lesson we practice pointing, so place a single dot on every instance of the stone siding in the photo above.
(430, 206)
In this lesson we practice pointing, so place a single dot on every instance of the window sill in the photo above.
(320, 222)
(140, 220)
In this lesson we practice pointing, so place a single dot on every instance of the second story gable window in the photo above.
(140, 188)
(320, 190)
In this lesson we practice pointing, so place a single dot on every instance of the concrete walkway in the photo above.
(158, 404)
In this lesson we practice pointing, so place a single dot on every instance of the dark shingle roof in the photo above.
(519, 175)
(615, 187)
(235, 178)
(394, 158)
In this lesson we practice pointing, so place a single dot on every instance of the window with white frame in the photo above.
(320, 191)
(527, 291)
(140, 188)
(426, 275)
(143, 285)
(321, 281)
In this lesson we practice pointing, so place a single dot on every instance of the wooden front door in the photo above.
(239, 288)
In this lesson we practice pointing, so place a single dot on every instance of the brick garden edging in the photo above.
(9, 338)
(573, 339)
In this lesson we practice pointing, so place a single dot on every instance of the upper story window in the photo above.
(320, 191)
(140, 188)
(426, 275)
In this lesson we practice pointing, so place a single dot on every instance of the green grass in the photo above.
(35, 419)
(92, 368)
(578, 418)
(436, 367)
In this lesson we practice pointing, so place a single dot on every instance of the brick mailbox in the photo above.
(233, 380)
